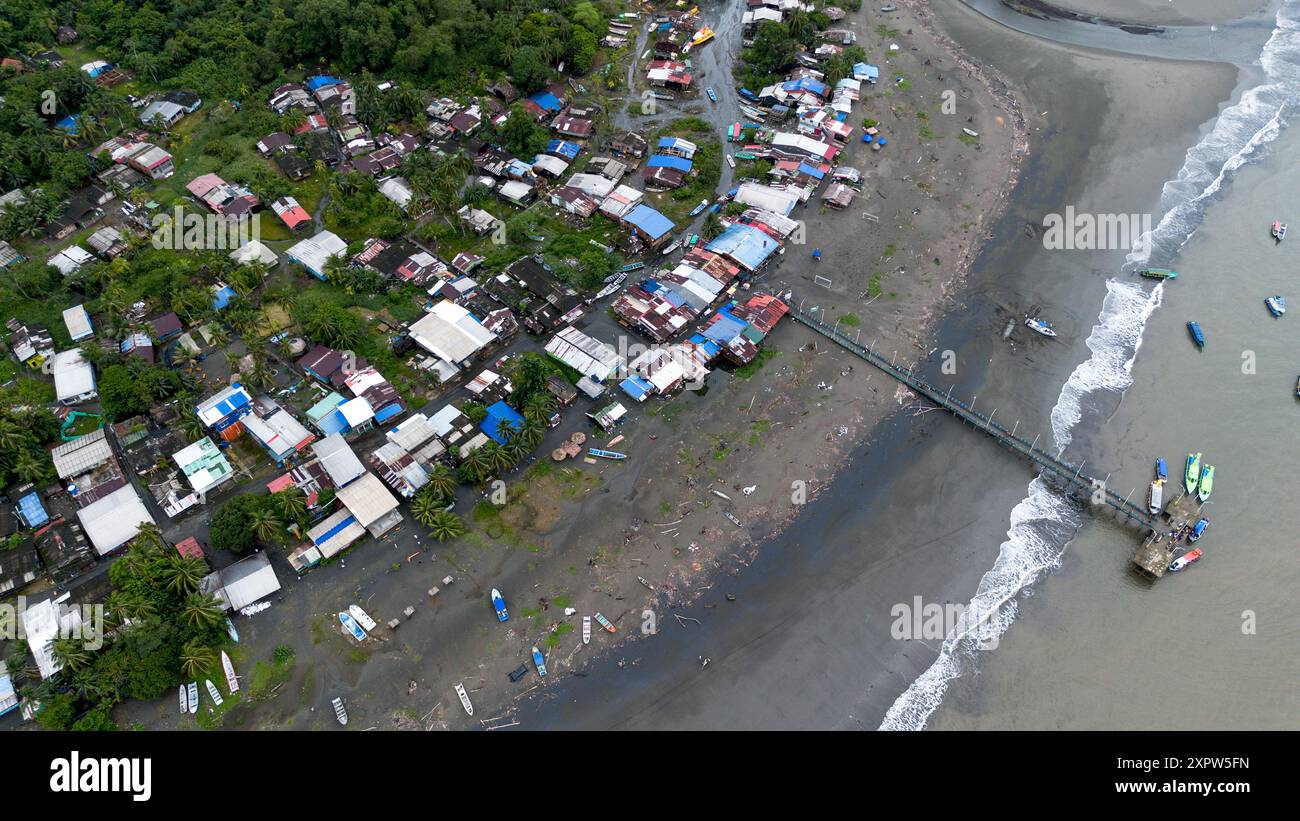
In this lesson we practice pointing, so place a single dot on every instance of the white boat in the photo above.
(230, 628)
(1040, 325)
(232, 680)
(464, 699)
(185, 700)
(212, 691)
(586, 629)
(340, 712)
(673, 247)
(970, 133)
(362, 617)
(350, 624)
(193, 692)
(731, 161)
(1156, 496)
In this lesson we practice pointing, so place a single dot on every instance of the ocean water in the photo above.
(1098, 634)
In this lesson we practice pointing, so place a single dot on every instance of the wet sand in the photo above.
(1168, 12)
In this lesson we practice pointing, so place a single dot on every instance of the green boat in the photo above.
(745, 155)
(1158, 273)
(1193, 472)
(1207, 482)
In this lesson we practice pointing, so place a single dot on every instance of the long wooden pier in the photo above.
(1065, 476)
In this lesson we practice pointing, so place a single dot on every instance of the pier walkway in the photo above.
(1064, 475)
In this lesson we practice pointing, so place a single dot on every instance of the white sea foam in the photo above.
(1043, 523)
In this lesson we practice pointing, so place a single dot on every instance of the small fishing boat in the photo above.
(697, 209)
(1276, 305)
(645, 582)
(350, 624)
(1279, 230)
(731, 161)
(1184, 560)
(232, 680)
(1162, 471)
(1193, 472)
(1158, 273)
(1297, 386)
(712, 96)
(464, 699)
(1197, 335)
(362, 617)
(969, 133)
(1040, 325)
(746, 155)
(185, 700)
(193, 692)
(212, 691)
(672, 247)
(586, 629)
(1199, 530)
(606, 454)
(605, 623)
(340, 712)
(539, 661)
(499, 605)
(230, 629)
(731, 518)
(1155, 496)
(1207, 483)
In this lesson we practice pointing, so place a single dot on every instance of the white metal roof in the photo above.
(114, 520)
(73, 375)
(585, 354)
(368, 499)
(254, 250)
(81, 454)
(247, 581)
(450, 332)
(337, 458)
(314, 252)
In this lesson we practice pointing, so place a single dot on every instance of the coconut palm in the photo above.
(203, 610)
(498, 460)
(195, 658)
(265, 523)
(446, 525)
(539, 407)
(442, 483)
(291, 503)
(478, 465)
(426, 506)
(183, 573)
(71, 653)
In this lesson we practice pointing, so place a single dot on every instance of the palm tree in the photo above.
(71, 653)
(539, 407)
(442, 483)
(150, 536)
(426, 506)
(195, 658)
(476, 466)
(203, 610)
(265, 523)
(446, 525)
(291, 503)
(183, 573)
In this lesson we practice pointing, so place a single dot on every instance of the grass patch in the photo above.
(851, 320)
(746, 371)
(873, 286)
(552, 639)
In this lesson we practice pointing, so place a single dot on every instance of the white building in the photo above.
(114, 520)
(314, 252)
(451, 333)
(74, 377)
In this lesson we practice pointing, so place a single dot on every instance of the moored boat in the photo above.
(232, 680)
(730, 161)
(970, 132)
(732, 518)
(712, 96)
(1184, 560)
(1158, 273)
(1040, 325)
(1198, 336)
(1206, 485)
(193, 692)
(1155, 496)
(605, 623)
(539, 661)
(1162, 471)
(340, 712)
(1192, 474)
(697, 209)
(185, 700)
(1199, 530)
(499, 605)
(362, 617)
(1276, 305)
(350, 624)
(586, 629)
(672, 247)
(1278, 230)
(233, 633)
(606, 454)
(212, 691)
(464, 699)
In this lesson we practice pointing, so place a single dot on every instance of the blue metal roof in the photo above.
(386, 413)
(816, 173)
(334, 531)
(669, 161)
(745, 244)
(806, 84)
(636, 387)
(322, 80)
(649, 221)
(546, 100)
(333, 423)
(500, 415)
(724, 329)
(563, 148)
(32, 511)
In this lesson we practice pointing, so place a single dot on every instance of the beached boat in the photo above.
(1198, 336)
(702, 36)
(605, 623)
(1158, 273)
(1199, 530)
(193, 692)
(1184, 560)
(350, 624)
(362, 617)
(731, 518)
(464, 699)
(697, 209)
(1278, 230)
(712, 96)
(212, 691)
(1040, 325)
(499, 605)
(539, 661)
(1162, 471)
(232, 680)
(970, 133)
(1276, 305)
(1155, 496)
(586, 629)
(672, 247)
(340, 712)
(185, 700)
(1206, 486)
(231, 631)
(730, 161)
(1192, 474)
(606, 454)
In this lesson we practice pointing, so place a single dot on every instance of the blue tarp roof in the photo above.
(546, 100)
(865, 71)
(806, 84)
(386, 413)
(709, 347)
(636, 387)
(746, 244)
(69, 123)
(724, 329)
(811, 171)
(649, 221)
(669, 161)
(500, 414)
(222, 298)
(322, 80)
(32, 511)
(563, 148)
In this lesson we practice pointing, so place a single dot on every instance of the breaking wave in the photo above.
(1043, 523)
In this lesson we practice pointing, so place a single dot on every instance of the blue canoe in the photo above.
(540, 661)
(1162, 470)
(1197, 335)
(712, 96)
(606, 454)
(499, 605)
(351, 624)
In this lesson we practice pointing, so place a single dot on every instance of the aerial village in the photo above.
(482, 283)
